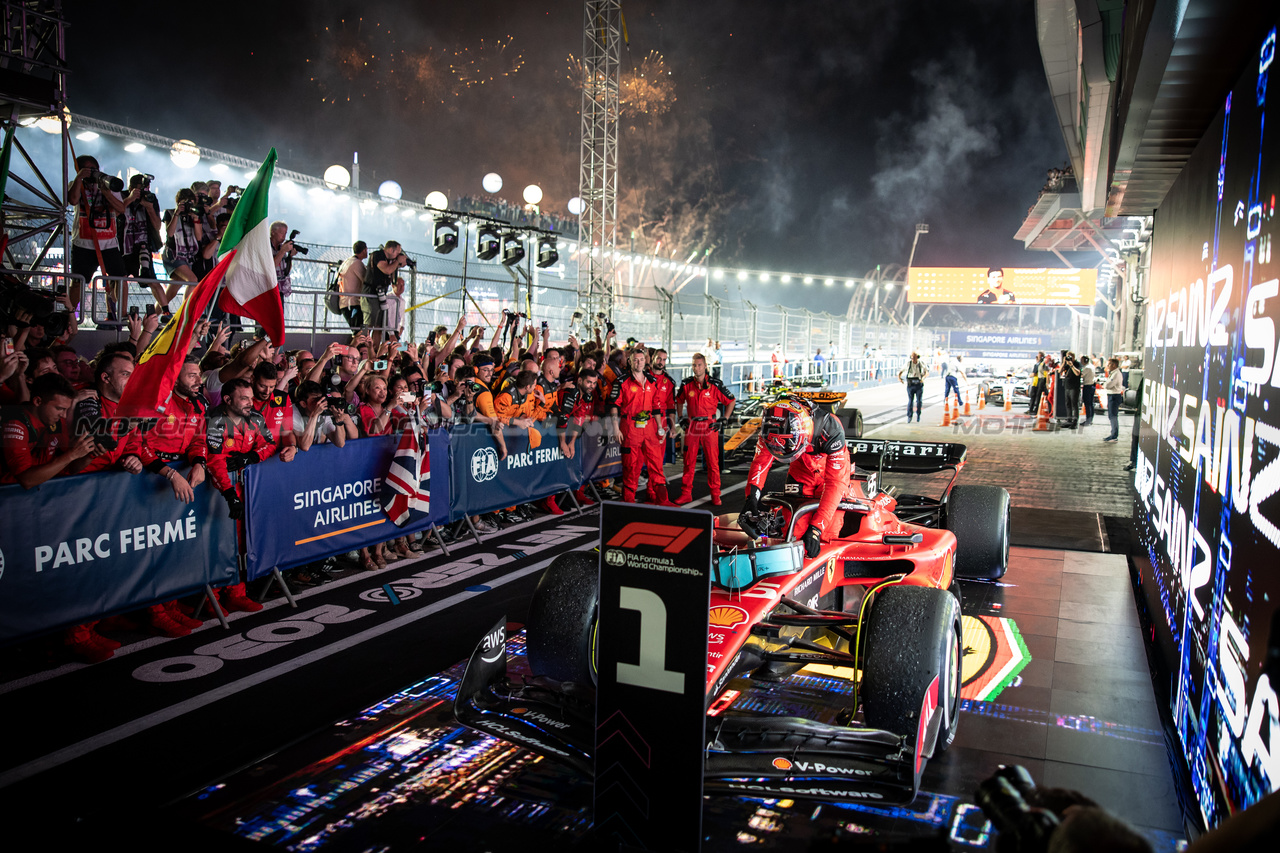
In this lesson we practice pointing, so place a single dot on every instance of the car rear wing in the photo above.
(912, 457)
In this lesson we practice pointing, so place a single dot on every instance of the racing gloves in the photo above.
(750, 515)
(812, 541)
(234, 504)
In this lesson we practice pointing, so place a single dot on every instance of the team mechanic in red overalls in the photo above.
(700, 397)
(236, 439)
(813, 441)
(640, 432)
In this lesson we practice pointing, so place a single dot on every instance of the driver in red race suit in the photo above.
(812, 440)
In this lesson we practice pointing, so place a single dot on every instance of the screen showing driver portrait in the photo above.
(1001, 286)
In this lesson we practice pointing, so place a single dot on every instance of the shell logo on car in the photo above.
(782, 763)
(726, 616)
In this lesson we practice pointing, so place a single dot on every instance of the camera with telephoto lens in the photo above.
(410, 262)
(302, 250)
(106, 182)
(1003, 799)
(17, 297)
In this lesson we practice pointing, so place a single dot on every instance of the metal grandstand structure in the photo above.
(598, 176)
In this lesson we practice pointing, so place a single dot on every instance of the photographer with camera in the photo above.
(95, 245)
(184, 226)
(1069, 375)
(380, 272)
(283, 250)
(327, 419)
(141, 233)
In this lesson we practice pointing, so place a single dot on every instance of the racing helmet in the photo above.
(788, 428)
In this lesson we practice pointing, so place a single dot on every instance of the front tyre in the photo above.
(913, 636)
(560, 639)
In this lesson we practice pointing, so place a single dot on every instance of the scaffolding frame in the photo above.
(33, 86)
(598, 175)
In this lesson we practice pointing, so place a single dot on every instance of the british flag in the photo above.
(406, 490)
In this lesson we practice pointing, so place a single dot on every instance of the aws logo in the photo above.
(671, 538)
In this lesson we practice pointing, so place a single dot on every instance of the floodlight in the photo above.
(488, 243)
(184, 153)
(445, 235)
(512, 248)
(337, 177)
(547, 254)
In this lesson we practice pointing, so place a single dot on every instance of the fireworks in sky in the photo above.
(486, 63)
(646, 88)
(360, 58)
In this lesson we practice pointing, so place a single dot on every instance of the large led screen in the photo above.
(1206, 509)
(1001, 286)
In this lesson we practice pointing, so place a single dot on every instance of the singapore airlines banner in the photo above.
(1207, 511)
(1001, 287)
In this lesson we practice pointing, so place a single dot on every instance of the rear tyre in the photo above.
(979, 517)
(562, 619)
(852, 420)
(913, 636)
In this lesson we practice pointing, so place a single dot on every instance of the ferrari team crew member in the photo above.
(700, 398)
(179, 434)
(236, 439)
(577, 406)
(38, 445)
(812, 440)
(276, 409)
(665, 399)
(634, 400)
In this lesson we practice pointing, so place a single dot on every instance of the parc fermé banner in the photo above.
(125, 542)
(481, 482)
(1206, 508)
(327, 501)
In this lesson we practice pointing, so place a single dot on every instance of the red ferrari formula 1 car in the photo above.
(835, 677)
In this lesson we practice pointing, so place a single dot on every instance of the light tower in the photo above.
(598, 176)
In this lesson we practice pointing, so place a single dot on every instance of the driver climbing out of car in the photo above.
(812, 440)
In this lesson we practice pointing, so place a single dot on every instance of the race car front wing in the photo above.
(754, 755)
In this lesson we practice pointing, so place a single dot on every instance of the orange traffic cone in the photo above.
(946, 412)
(1042, 416)
(1008, 399)
(966, 402)
(982, 402)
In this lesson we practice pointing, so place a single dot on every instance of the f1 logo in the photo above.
(673, 539)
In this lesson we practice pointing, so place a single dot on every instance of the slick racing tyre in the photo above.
(913, 636)
(560, 640)
(979, 517)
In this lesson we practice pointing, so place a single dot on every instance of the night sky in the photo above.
(799, 136)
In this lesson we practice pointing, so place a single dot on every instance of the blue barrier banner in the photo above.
(325, 502)
(77, 548)
(599, 456)
(480, 482)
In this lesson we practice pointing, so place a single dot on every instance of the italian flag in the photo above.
(250, 288)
